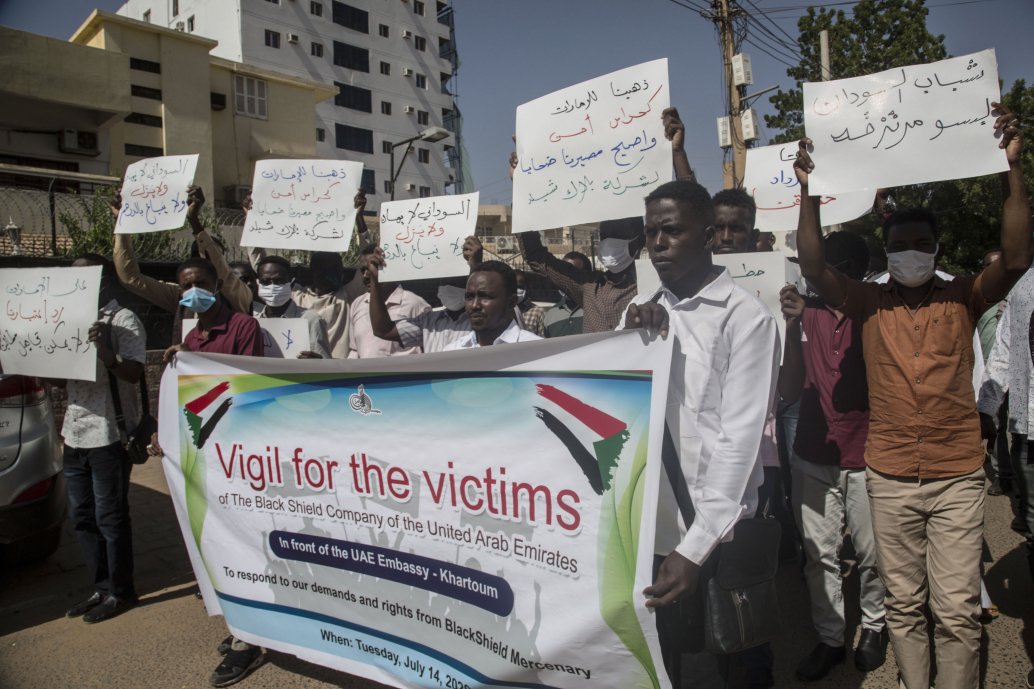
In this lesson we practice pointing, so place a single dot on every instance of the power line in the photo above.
(797, 8)
(790, 38)
(773, 41)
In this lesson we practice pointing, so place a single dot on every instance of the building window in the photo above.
(351, 57)
(425, 192)
(385, 68)
(383, 30)
(175, 7)
(418, 8)
(423, 155)
(321, 134)
(147, 16)
(316, 9)
(385, 107)
(421, 81)
(190, 24)
(272, 39)
(143, 151)
(145, 92)
(420, 43)
(387, 186)
(145, 65)
(369, 182)
(146, 120)
(249, 96)
(273, 2)
(353, 138)
(350, 17)
(354, 97)
(385, 147)
(422, 117)
(316, 50)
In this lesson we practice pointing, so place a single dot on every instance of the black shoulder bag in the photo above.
(135, 442)
(742, 609)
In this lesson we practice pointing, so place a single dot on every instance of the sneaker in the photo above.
(111, 607)
(236, 666)
(83, 607)
(819, 662)
(225, 646)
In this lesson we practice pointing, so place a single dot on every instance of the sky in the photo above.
(513, 51)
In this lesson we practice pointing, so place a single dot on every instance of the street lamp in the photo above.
(431, 134)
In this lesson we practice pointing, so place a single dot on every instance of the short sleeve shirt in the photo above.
(233, 333)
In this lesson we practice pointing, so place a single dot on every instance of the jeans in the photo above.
(1023, 480)
(98, 497)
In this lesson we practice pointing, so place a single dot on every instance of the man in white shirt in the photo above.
(363, 341)
(275, 289)
(723, 382)
(489, 301)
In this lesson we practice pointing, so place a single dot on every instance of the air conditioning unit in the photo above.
(235, 195)
(410, 109)
(181, 26)
(410, 186)
(724, 132)
(78, 142)
(407, 71)
(406, 33)
(507, 245)
(292, 38)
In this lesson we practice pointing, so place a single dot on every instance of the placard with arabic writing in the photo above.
(592, 151)
(46, 321)
(922, 123)
(770, 179)
(303, 204)
(423, 238)
(154, 194)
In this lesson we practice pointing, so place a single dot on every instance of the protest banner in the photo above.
(770, 179)
(423, 238)
(154, 194)
(302, 204)
(592, 151)
(47, 317)
(762, 274)
(922, 123)
(351, 517)
(283, 338)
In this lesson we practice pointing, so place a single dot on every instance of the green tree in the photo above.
(880, 35)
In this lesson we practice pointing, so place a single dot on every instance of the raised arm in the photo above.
(380, 321)
(791, 373)
(164, 295)
(235, 291)
(999, 277)
(829, 282)
(675, 132)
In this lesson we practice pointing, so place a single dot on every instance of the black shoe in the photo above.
(995, 489)
(1006, 485)
(225, 646)
(80, 609)
(819, 662)
(1030, 680)
(111, 607)
(236, 666)
(871, 651)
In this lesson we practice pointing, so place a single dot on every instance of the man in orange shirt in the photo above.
(924, 457)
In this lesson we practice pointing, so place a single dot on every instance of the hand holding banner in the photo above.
(46, 322)
(154, 194)
(592, 151)
(303, 204)
(423, 238)
(921, 123)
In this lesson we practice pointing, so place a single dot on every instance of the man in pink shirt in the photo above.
(362, 342)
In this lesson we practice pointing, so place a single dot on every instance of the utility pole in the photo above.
(824, 55)
(734, 169)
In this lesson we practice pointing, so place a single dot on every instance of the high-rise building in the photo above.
(393, 61)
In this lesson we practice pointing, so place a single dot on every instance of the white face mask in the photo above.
(911, 268)
(451, 297)
(275, 295)
(614, 254)
(521, 293)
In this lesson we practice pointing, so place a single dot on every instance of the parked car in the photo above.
(33, 499)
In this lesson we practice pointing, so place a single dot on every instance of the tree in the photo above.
(881, 35)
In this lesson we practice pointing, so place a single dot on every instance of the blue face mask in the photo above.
(197, 300)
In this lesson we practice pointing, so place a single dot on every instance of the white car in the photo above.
(33, 498)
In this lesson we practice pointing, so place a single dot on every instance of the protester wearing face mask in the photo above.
(924, 454)
(274, 288)
(363, 340)
(432, 331)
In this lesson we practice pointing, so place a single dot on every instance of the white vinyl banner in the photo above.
(423, 238)
(46, 323)
(921, 123)
(592, 151)
(347, 514)
(303, 204)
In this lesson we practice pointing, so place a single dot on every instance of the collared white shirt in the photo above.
(513, 333)
(318, 341)
(434, 330)
(722, 387)
(1009, 368)
(362, 343)
(90, 415)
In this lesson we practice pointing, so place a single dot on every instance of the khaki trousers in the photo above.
(928, 541)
